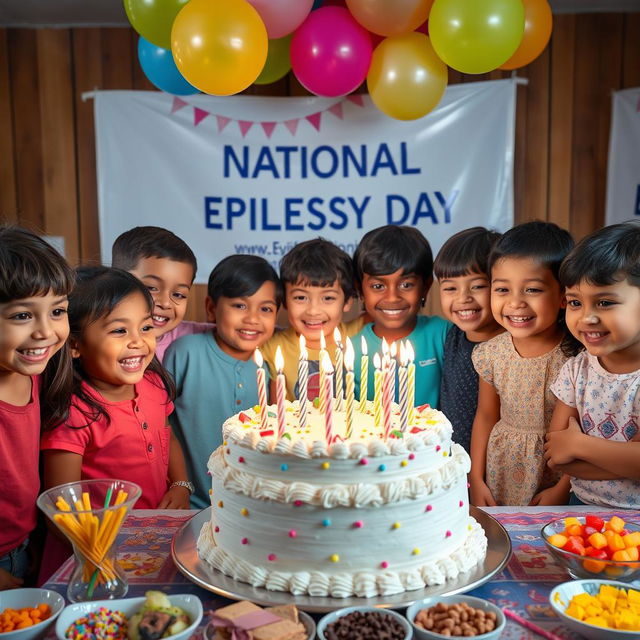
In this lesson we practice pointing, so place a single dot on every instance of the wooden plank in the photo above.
(117, 59)
(87, 72)
(562, 51)
(519, 159)
(8, 196)
(631, 51)
(58, 148)
(25, 90)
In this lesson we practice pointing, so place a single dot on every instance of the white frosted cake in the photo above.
(362, 517)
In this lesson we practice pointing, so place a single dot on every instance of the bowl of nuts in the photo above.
(365, 623)
(455, 617)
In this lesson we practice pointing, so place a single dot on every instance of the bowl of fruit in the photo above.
(591, 547)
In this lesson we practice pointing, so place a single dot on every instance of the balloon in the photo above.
(219, 47)
(158, 65)
(282, 17)
(152, 19)
(406, 79)
(278, 61)
(476, 37)
(390, 17)
(538, 22)
(330, 52)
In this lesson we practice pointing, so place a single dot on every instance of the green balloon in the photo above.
(153, 19)
(475, 37)
(278, 62)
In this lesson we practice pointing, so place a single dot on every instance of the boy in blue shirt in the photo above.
(214, 372)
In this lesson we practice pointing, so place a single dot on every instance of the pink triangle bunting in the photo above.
(356, 98)
(336, 110)
(178, 103)
(292, 125)
(314, 119)
(244, 125)
(222, 121)
(199, 115)
(268, 128)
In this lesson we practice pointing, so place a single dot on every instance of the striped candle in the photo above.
(364, 375)
(303, 382)
(339, 354)
(262, 389)
(386, 396)
(321, 360)
(393, 352)
(349, 357)
(377, 391)
(280, 385)
(411, 382)
(403, 391)
(327, 394)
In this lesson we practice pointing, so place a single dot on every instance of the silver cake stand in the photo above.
(183, 550)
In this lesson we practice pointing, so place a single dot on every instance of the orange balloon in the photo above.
(538, 23)
(390, 17)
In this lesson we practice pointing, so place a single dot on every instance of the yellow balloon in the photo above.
(219, 47)
(406, 79)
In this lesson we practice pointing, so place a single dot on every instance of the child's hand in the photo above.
(481, 495)
(561, 446)
(9, 581)
(175, 498)
(557, 494)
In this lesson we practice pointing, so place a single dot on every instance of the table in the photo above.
(144, 550)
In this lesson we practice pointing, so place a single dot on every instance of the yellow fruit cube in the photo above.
(583, 599)
(615, 524)
(633, 596)
(597, 621)
(569, 522)
(575, 611)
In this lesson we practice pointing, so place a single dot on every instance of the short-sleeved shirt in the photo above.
(459, 388)
(608, 405)
(289, 341)
(133, 446)
(427, 338)
(19, 478)
(185, 328)
(211, 386)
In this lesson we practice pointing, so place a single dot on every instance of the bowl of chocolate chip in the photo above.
(365, 623)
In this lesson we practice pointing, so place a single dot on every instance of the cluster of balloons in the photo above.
(400, 47)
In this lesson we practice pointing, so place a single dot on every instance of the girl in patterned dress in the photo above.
(517, 367)
(594, 435)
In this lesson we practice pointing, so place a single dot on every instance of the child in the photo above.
(214, 372)
(116, 423)
(596, 414)
(517, 367)
(465, 299)
(393, 266)
(318, 288)
(167, 267)
(34, 283)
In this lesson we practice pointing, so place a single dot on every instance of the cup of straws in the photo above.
(90, 514)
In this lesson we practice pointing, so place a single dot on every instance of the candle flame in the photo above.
(279, 360)
(377, 363)
(349, 356)
(363, 346)
(337, 337)
(323, 342)
(326, 364)
(393, 349)
(258, 359)
(403, 355)
(304, 355)
(385, 347)
(410, 352)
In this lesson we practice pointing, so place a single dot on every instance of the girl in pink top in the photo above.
(34, 283)
(115, 413)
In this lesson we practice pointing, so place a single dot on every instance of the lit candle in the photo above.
(327, 394)
(339, 367)
(280, 385)
(377, 390)
(303, 382)
(349, 358)
(321, 354)
(393, 352)
(403, 396)
(411, 381)
(262, 388)
(386, 395)
(364, 375)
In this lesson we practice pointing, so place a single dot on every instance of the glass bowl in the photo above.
(20, 598)
(586, 567)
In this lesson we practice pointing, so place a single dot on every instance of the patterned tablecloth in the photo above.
(145, 553)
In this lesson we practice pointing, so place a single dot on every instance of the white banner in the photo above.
(623, 177)
(257, 175)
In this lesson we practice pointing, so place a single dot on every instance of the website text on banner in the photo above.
(258, 175)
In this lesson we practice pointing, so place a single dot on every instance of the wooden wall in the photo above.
(47, 147)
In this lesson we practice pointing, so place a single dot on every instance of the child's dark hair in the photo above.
(386, 249)
(318, 263)
(604, 257)
(548, 244)
(30, 266)
(97, 292)
(239, 276)
(150, 242)
(465, 252)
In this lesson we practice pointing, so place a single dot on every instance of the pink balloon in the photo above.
(282, 17)
(331, 52)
